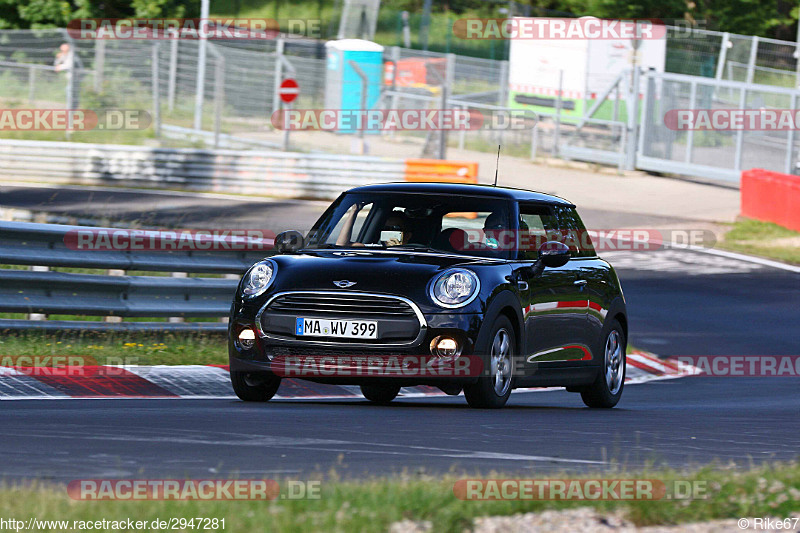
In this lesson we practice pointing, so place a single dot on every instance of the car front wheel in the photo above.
(493, 389)
(255, 387)
(380, 394)
(606, 391)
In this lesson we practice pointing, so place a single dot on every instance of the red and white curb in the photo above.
(213, 382)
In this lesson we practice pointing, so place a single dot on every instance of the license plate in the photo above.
(349, 329)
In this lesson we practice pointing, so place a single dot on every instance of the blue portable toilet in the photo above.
(343, 85)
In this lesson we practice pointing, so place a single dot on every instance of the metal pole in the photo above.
(364, 88)
(201, 71)
(690, 133)
(737, 166)
(219, 95)
(534, 141)
(285, 139)
(790, 142)
(173, 72)
(633, 115)
(449, 74)
(557, 132)
(31, 84)
(155, 89)
(99, 63)
(797, 56)
(751, 64)
(276, 101)
(723, 54)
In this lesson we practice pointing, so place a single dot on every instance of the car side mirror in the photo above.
(554, 254)
(287, 242)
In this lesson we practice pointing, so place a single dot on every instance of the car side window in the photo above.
(574, 232)
(537, 225)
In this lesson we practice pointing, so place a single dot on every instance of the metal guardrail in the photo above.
(273, 173)
(49, 292)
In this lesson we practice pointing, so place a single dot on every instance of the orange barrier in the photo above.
(771, 197)
(441, 170)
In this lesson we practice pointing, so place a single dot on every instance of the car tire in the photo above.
(255, 387)
(606, 390)
(380, 394)
(492, 391)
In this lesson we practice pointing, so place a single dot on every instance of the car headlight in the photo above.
(455, 288)
(258, 278)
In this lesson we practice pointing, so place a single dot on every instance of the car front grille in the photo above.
(342, 305)
(400, 323)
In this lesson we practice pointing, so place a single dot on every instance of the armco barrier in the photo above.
(771, 197)
(49, 292)
(270, 173)
(439, 170)
(281, 174)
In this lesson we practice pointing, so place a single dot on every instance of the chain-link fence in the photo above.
(239, 91)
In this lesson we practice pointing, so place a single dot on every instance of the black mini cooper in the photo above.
(462, 287)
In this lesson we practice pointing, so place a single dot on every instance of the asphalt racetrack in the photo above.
(680, 302)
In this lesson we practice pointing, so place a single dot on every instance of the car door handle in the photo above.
(580, 282)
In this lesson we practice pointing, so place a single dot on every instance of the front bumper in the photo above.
(270, 354)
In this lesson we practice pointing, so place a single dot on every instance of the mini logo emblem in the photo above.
(343, 284)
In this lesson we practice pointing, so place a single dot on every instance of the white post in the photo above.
(751, 64)
(156, 92)
(173, 71)
(201, 71)
(99, 63)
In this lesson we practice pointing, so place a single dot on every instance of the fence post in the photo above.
(38, 316)
(751, 63)
(173, 71)
(99, 63)
(690, 133)
(201, 71)
(723, 55)
(219, 95)
(633, 115)
(449, 75)
(737, 166)
(31, 84)
(114, 272)
(557, 132)
(155, 88)
(790, 142)
(276, 103)
(177, 319)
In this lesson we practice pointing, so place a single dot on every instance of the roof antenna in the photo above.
(497, 165)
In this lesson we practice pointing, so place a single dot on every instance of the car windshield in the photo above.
(414, 221)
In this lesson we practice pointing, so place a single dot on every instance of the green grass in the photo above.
(373, 505)
(141, 348)
(761, 238)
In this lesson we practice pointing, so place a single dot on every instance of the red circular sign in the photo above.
(289, 90)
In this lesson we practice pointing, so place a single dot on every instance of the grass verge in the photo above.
(117, 348)
(766, 239)
(373, 505)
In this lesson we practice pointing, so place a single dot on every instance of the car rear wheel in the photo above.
(606, 391)
(380, 394)
(492, 390)
(255, 387)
